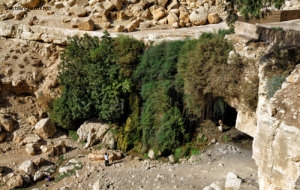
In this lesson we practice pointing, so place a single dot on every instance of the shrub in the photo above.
(274, 84)
(95, 77)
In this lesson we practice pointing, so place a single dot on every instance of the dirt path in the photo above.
(212, 166)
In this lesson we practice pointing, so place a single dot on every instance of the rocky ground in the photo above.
(223, 153)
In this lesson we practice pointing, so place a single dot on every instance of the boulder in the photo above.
(184, 18)
(233, 182)
(27, 167)
(74, 22)
(78, 11)
(44, 172)
(108, 5)
(158, 13)
(199, 16)
(162, 3)
(172, 18)
(38, 161)
(7, 123)
(108, 141)
(213, 18)
(87, 25)
(15, 181)
(118, 4)
(151, 154)
(106, 25)
(96, 156)
(99, 155)
(92, 131)
(30, 149)
(45, 128)
(132, 26)
(119, 28)
(59, 5)
(31, 138)
(30, 3)
(57, 150)
(2, 137)
(19, 14)
(173, 5)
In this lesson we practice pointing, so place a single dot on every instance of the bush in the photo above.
(95, 77)
(274, 84)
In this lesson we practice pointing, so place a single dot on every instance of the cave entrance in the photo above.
(229, 117)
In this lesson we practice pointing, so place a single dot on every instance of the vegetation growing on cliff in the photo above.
(157, 97)
(281, 62)
(95, 79)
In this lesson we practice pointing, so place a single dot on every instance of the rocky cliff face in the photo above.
(276, 143)
(275, 125)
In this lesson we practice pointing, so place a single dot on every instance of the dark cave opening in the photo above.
(229, 117)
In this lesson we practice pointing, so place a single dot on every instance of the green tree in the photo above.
(161, 117)
(93, 79)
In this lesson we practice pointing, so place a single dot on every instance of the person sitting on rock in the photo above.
(106, 162)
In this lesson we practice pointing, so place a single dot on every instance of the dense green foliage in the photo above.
(161, 119)
(155, 98)
(206, 77)
(96, 79)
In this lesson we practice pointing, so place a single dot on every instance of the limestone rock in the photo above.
(30, 3)
(118, 4)
(27, 166)
(132, 26)
(44, 172)
(59, 5)
(233, 182)
(119, 28)
(158, 13)
(30, 149)
(7, 123)
(151, 154)
(96, 156)
(45, 128)
(184, 18)
(162, 3)
(78, 11)
(74, 22)
(213, 18)
(108, 5)
(99, 155)
(199, 16)
(92, 132)
(106, 25)
(15, 181)
(87, 25)
(38, 161)
(31, 138)
(57, 150)
(173, 4)
(108, 141)
(171, 159)
(18, 14)
(172, 18)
